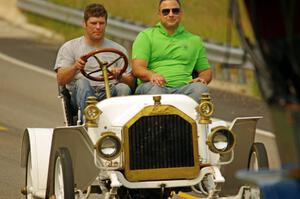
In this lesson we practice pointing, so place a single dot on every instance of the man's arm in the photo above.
(204, 76)
(66, 74)
(128, 79)
(140, 70)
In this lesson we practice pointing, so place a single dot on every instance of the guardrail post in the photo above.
(241, 75)
(225, 72)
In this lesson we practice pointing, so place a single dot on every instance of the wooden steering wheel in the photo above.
(102, 63)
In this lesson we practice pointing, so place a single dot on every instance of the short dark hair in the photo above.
(178, 1)
(94, 10)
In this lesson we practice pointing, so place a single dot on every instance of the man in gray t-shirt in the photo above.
(69, 63)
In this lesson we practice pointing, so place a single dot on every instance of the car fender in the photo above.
(81, 148)
(244, 129)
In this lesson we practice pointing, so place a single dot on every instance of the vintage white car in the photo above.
(141, 146)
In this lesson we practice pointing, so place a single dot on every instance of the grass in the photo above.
(207, 18)
(68, 31)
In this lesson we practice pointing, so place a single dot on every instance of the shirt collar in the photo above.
(163, 30)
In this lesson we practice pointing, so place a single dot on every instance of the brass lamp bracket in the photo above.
(205, 109)
(91, 112)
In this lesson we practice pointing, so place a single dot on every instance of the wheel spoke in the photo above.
(254, 162)
(120, 57)
(59, 182)
(94, 71)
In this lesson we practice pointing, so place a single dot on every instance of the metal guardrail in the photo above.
(125, 33)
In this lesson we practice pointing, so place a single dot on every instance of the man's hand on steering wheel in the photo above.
(79, 64)
(116, 72)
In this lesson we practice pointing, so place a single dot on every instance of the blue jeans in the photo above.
(194, 90)
(82, 90)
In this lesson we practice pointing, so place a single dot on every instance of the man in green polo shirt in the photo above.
(165, 56)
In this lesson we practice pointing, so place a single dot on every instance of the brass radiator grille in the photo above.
(160, 141)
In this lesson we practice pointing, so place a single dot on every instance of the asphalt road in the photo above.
(29, 99)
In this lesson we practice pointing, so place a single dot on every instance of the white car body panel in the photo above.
(117, 111)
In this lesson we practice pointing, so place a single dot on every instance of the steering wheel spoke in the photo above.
(94, 71)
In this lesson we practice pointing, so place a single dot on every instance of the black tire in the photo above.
(258, 153)
(257, 160)
(63, 161)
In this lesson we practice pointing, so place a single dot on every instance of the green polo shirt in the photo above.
(175, 57)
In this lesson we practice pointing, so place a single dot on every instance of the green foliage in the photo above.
(67, 30)
(255, 91)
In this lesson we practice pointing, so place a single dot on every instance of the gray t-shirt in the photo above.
(72, 50)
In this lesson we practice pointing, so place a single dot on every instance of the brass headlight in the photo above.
(220, 140)
(109, 146)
